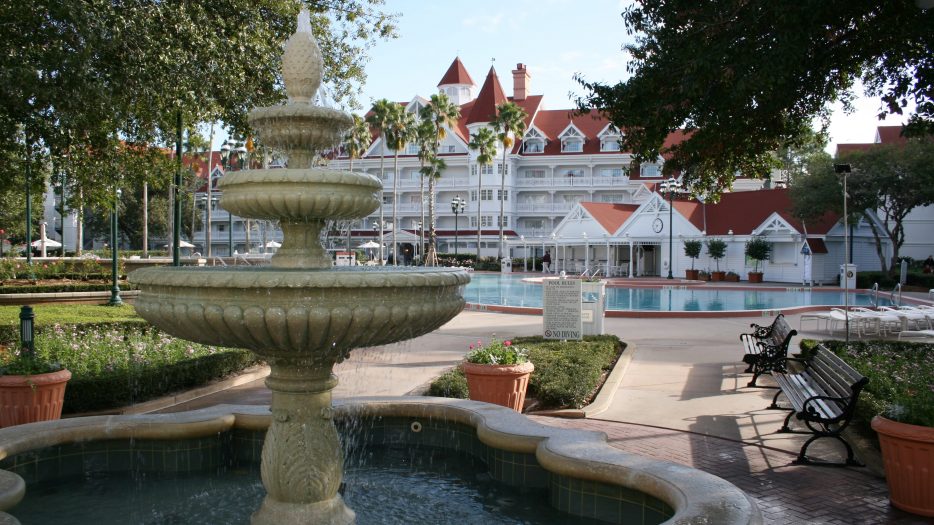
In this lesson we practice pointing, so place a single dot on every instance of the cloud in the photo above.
(485, 23)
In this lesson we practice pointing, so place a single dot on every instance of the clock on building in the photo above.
(657, 225)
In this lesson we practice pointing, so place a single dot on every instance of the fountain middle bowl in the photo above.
(321, 314)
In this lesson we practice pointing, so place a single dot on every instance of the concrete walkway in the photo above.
(683, 398)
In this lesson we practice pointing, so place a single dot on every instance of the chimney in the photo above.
(520, 82)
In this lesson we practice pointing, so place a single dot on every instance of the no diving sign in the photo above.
(561, 312)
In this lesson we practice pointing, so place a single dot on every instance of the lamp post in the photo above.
(670, 186)
(586, 253)
(29, 213)
(226, 152)
(457, 207)
(844, 169)
(115, 288)
(525, 254)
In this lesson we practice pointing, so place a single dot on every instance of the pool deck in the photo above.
(682, 398)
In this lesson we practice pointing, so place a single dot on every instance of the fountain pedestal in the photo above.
(299, 314)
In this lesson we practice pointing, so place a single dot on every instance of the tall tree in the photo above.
(379, 118)
(886, 183)
(484, 143)
(425, 139)
(400, 132)
(510, 124)
(441, 114)
(745, 78)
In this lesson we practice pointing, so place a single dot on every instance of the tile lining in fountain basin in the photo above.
(582, 474)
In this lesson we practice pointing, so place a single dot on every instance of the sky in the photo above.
(554, 39)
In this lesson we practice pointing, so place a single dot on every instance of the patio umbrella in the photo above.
(273, 244)
(49, 243)
(369, 244)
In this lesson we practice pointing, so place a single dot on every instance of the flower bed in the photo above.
(901, 379)
(567, 373)
(120, 363)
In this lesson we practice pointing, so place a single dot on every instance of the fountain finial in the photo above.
(301, 62)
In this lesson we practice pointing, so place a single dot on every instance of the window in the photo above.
(651, 170)
(505, 221)
(450, 148)
(499, 169)
(502, 195)
(473, 195)
(572, 141)
(533, 142)
(610, 197)
(535, 224)
(486, 221)
(387, 199)
(535, 174)
(486, 195)
(487, 169)
(609, 144)
(611, 172)
(387, 174)
(473, 170)
(221, 227)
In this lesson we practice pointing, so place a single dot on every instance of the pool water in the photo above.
(387, 485)
(511, 290)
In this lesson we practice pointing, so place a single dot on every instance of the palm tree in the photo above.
(442, 114)
(356, 141)
(425, 138)
(485, 143)
(400, 131)
(510, 123)
(379, 119)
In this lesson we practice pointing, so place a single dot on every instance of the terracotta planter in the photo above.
(499, 384)
(717, 276)
(27, 399)
(755, 277)
(908, 456)
(691, 274)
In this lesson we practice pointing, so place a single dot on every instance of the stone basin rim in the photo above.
(269, 277)
(300, 176)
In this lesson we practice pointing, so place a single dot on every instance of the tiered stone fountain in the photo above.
(299, 314)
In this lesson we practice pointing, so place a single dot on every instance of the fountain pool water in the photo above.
(301, 316)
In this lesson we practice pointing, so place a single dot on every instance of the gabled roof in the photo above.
(491, 95)
(456, 74)
(890, 135)
(744, 211)
(610, 216)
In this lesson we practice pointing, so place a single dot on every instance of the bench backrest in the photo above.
(836, 377)
(782, 332)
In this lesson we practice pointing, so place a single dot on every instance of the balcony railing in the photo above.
(544, 207)
(567, 182)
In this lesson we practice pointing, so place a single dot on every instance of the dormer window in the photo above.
(572, 141)
(609, 138)
(534, 142)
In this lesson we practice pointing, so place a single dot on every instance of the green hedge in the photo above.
(65, 287)
(567, 373)
(108, 391)
(888, 281)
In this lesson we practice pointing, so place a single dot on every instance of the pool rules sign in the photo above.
(562, 308)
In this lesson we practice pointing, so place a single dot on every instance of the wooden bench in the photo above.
(823, 395)
(766, 347)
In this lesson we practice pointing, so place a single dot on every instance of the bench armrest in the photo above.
(809, 404)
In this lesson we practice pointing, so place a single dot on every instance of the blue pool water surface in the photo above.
(511, 290)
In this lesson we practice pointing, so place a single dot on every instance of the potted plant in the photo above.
(498, 373)
(716, 249)
(731, 277)
(757, 249)
(692, 249)
(906, 435)
(31, 388)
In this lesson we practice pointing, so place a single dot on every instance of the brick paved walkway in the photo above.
(785, 493)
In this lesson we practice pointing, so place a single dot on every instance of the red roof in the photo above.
(743, 211)
(456, 74)
(491, 95)
(890, 134)
(610, 216)
(817, 245)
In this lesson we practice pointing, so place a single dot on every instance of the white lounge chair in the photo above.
(910, 315)
(927, 334)
(817, 317)
(886, 320)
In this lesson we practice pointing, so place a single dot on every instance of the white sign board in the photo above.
(561, 308)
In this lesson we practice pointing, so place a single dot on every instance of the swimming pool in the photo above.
(512, 291)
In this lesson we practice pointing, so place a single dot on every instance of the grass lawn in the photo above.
(70, 314)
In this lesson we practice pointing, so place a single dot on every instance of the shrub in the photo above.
(692, 249)
(567, 373)
(716, 249)
(758, 249)
(452, 383)
(497, 353)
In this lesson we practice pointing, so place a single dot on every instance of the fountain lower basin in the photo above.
(579, 473)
